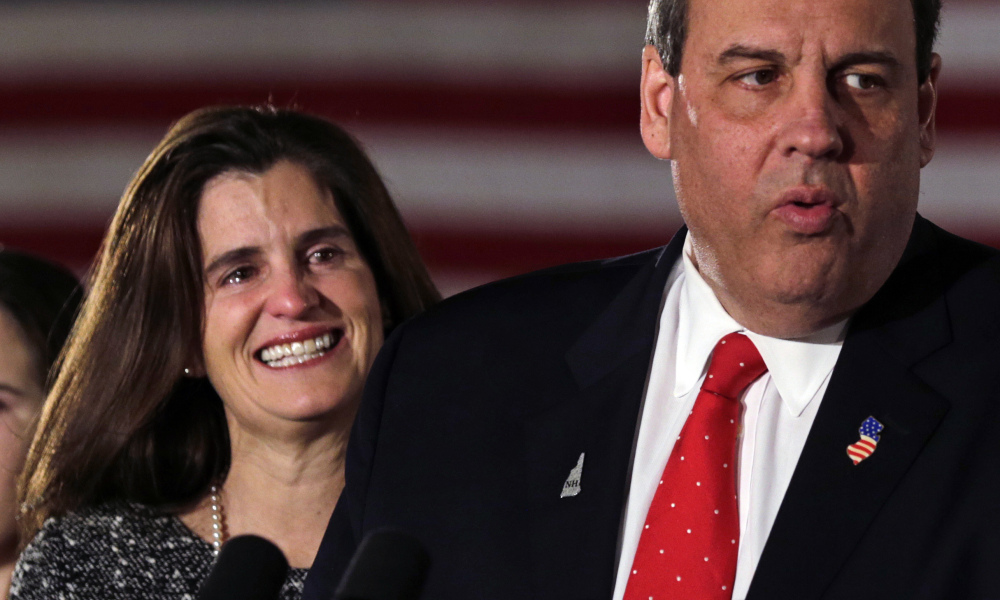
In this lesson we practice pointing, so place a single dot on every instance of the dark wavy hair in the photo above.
(121, 423)
(666, 28)
(43, 298)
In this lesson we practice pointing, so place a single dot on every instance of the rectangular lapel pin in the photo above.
(572, 485)
(865, 447)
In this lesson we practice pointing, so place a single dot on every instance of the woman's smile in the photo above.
(298, 349)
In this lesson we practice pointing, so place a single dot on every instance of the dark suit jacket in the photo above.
(475, 413)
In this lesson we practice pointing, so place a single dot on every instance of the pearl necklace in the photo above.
(218, 533)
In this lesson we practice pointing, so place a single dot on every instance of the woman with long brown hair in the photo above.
(38, 301)
(248, 279)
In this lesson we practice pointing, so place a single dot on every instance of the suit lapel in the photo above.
(573, 535)
(830, 502)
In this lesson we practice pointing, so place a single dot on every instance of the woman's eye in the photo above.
(861, 81)
(760, 78)
(325, 254)
(238, 275)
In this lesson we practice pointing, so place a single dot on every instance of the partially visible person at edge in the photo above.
(797, 398)
(38, 301)
(249, 276)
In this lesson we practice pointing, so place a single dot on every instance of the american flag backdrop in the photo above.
(507, 129)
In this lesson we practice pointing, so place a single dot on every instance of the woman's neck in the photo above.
(287, 500)
(283, 491)
(6, 572)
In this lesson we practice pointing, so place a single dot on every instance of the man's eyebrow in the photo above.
(740, 51)
(873, 57)
(235, 255)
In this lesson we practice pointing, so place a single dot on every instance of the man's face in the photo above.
(797, 131)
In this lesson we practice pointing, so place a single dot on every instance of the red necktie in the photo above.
(690, 539)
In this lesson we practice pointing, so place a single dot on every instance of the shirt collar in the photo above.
(798, 367)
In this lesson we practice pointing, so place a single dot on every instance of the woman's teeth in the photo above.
(284, 355)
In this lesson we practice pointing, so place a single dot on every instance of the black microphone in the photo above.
(389, 565)
(248, 568)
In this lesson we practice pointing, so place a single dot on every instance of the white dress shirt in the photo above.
(778, 411)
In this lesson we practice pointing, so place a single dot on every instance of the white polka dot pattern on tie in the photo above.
(706, 513)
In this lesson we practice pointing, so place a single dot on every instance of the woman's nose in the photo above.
(290, 295)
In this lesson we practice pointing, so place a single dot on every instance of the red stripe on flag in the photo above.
(348, 102)
(968, 111)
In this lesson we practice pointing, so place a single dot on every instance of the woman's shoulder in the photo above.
(114, 550)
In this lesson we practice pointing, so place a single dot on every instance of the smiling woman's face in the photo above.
(21, 395)
(292, 316)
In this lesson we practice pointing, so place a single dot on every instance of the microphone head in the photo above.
(248, 568)
(389, 565)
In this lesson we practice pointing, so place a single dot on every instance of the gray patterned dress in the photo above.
(119, 552)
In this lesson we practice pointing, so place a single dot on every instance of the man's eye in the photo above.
(862, 81)
(238, 275)
(760, 78)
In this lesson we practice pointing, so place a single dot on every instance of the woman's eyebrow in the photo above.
(6, 387)
(323, 233)
(235, 255)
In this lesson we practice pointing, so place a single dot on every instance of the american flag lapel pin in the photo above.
(865, 447)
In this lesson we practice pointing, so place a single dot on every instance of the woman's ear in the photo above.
(194, 367)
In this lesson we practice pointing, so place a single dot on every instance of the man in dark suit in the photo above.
(543, 435)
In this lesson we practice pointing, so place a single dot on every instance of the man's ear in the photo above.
(927, 105)
(656, 91)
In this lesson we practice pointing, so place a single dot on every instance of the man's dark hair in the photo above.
(667, 30)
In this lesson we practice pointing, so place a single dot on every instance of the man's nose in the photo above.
(811, 123)
(290, 295)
